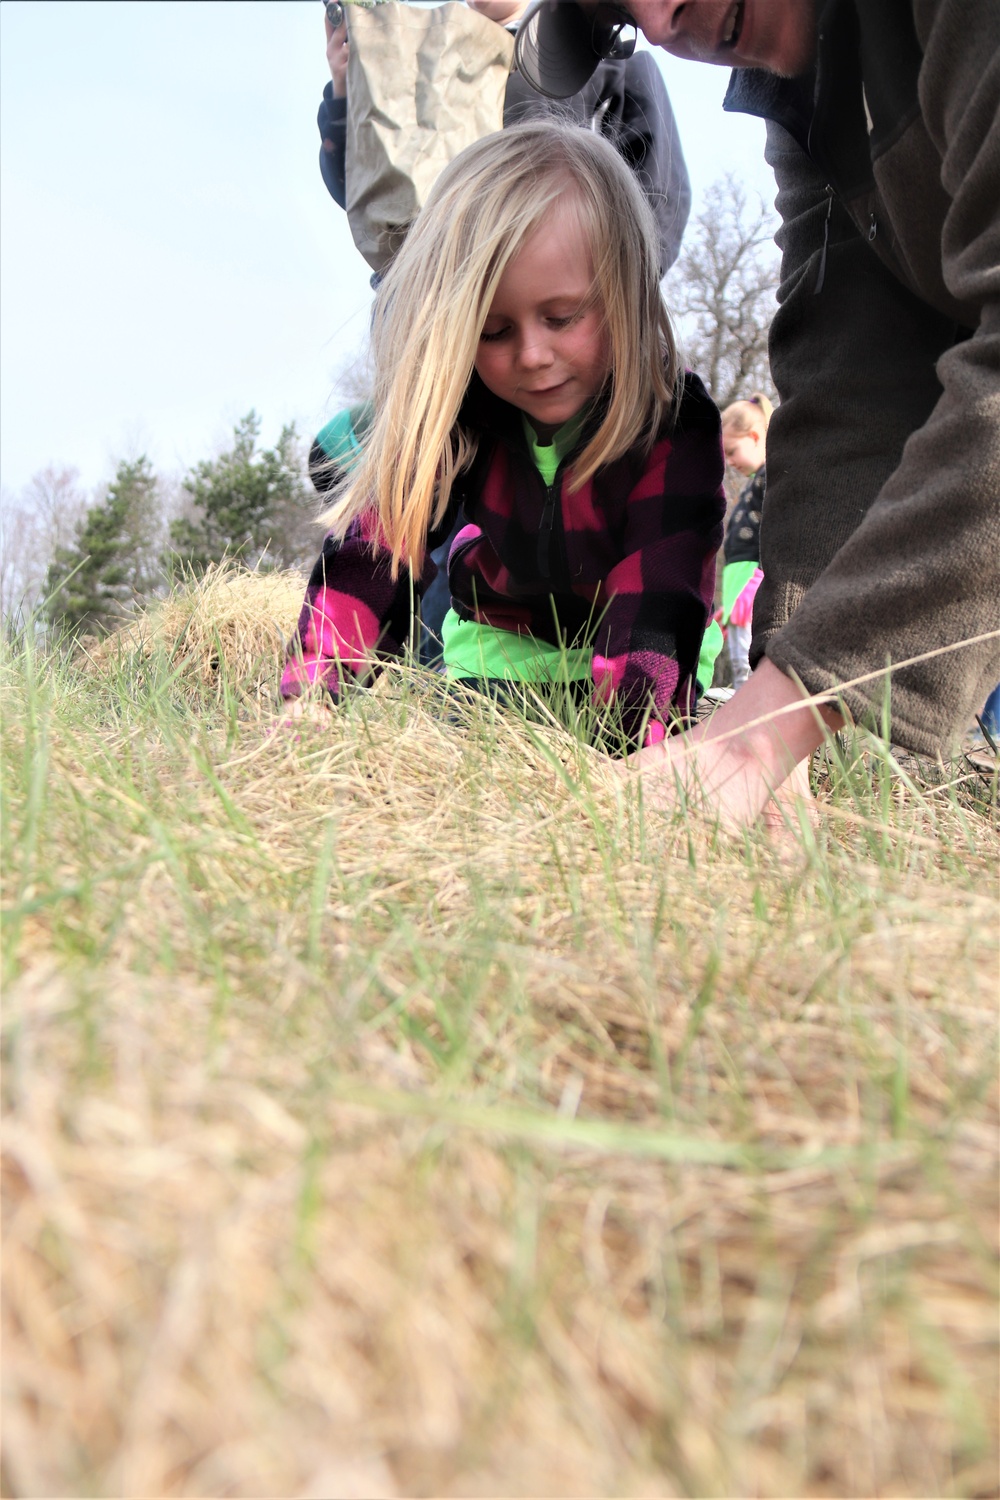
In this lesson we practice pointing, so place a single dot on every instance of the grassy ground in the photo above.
(392, 1111)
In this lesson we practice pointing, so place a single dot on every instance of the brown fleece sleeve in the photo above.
(881, 528)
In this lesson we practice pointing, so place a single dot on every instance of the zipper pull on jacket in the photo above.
(545, 530)
(826, 240)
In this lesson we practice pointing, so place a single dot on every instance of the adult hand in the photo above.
(336, 56)
(739, 759)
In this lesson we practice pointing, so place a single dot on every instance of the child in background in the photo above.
(744, 430)
(525, 369)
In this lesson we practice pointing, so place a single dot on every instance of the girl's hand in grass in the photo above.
(299, 711)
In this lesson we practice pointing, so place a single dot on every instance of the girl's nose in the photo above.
(535, 352)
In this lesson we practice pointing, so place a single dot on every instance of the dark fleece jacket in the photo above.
(881, 528)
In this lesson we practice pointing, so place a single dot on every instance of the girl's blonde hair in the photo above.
(431, 307)
(744, 416)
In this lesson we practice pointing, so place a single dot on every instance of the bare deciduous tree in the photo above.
(721, 291)
(33, 524)
(353, 377)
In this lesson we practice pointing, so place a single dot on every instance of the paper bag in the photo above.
(422, 84)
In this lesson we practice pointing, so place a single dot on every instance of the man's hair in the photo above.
(434, 300)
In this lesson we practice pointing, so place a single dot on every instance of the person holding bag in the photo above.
(625, 100)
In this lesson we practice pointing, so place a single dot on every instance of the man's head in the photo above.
(779, 35)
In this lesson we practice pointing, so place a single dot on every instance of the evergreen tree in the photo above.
(247, 503)
(92, 583)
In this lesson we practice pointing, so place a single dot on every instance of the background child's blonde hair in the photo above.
(744, 416)
(431, 307)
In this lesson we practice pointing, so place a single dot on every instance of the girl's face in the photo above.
(544, 347)
(743, 450)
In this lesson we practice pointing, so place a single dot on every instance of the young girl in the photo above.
(525, 369)
(744, 430)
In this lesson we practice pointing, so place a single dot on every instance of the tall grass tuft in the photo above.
(390, 1108)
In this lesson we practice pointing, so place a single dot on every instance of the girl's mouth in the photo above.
(732, 25)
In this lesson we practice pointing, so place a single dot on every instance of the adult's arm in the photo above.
(881, 526)
(332, 122)
(648, 138)
(629, 102)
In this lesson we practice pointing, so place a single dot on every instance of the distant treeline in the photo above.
(79, 565)
(84, 564)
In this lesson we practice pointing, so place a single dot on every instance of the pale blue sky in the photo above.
(169, 256)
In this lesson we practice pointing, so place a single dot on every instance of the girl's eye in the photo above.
(491, 338)
(564, 319)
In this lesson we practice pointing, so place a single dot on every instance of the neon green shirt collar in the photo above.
(548, 456)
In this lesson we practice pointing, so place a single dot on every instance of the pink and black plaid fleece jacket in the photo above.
(627, 563)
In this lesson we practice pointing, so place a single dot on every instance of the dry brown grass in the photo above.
(230, 618)
(387, 1114)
